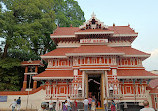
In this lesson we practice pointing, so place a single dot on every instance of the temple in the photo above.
(95, 60)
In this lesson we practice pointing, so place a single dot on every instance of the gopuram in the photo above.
(93, 60)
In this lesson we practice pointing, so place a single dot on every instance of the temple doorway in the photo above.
(94, 87)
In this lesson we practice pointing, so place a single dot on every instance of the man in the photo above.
(85, 102)
(58, 106)
(146, 106)
(13, 104)
(69, 106)
(51, 104)
(90, 101)
(18, 103)
(105, 104)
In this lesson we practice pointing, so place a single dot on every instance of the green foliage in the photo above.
(10, 76)
(26, 26)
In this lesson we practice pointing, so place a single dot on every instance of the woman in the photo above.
(65, 106)
(58, 106)
(93, 107)
(113, 106)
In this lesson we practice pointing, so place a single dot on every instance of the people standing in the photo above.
(13, 104)
(85, 102)
(90, 101)
(113, 106)
(146, 106)
(74, 105)
(93, 107)
(65, 106)
(58, 106)
(105, 104)
(50, 104)
(69, 105)
(18, 103)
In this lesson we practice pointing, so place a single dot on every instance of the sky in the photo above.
(142, 15)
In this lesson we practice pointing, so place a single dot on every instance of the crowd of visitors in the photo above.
(89, 104)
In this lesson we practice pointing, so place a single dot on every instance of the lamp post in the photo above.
(28, 92)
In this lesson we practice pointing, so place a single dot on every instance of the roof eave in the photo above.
(86, 54)
(137, 77)
(50, 78)
(83, 33)
(47, 57)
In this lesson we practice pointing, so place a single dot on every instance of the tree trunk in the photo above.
(5, 50)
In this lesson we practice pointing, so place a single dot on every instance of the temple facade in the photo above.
(95, 60)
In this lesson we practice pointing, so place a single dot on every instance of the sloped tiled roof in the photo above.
(54, 74)
(97, 49)
(121, 30)
(130, 51)
(135, 73)
(153, 83)
(30, 62)
(59, 52)
(71, 30)
(154, 90)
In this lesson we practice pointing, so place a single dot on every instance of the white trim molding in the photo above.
(31, 73)
(124, 35)
(47, 57)
(133, 77)
(136, 55)
(102, 32)
(62, 36)
(84, 54)
(50, 78)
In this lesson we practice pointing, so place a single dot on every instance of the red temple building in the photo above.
(96, 60)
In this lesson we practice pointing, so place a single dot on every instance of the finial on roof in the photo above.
(29, 61)
(113, 24)
(70, 25)
(128, 24)
(93, 15)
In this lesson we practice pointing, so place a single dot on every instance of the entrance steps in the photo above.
(99, 109)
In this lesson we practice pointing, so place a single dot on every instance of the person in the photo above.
(105, 104)
(113, 106)
(18, 103)
(146, 106)
(65, 106)
(13, 104)
(93, 107)
(74, 108)
(90, 101)
(58, 106)
(85, 103)
(68, 102)
(50, 104)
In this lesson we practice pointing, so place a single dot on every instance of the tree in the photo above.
(9, 74)
(26, 26)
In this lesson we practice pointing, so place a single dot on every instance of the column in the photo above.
(35, 82)
(83, 75)
(25, 79)
(106, 84)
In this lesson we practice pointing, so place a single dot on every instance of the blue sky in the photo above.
(142, 15)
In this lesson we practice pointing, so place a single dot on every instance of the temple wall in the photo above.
(34, 100)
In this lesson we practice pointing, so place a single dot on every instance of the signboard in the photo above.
(3, 98)
(93, 41)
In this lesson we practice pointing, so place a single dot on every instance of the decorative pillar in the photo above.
(25, 79)
(83, 77)
(36, 69)
(106, 84)
(34, 84)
